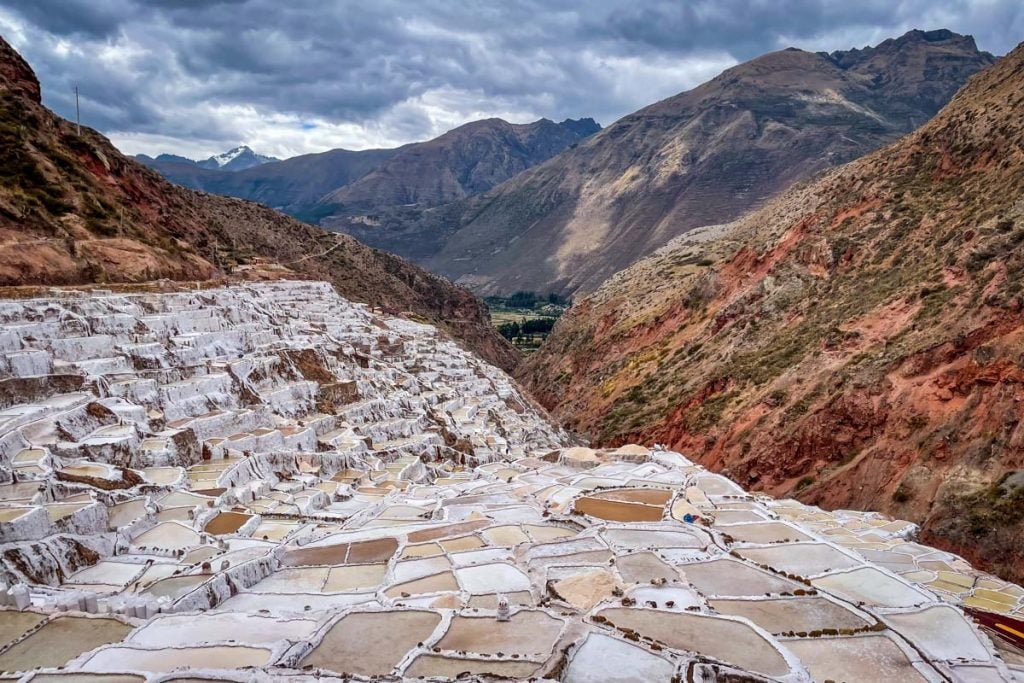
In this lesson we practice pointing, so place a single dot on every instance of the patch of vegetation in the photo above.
(710, 412)
(993, 507)
(526, 318)
(902, 494)
(19, 170)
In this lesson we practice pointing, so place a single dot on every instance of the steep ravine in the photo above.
(859, 342)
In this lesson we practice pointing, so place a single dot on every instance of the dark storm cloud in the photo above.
(303, 75)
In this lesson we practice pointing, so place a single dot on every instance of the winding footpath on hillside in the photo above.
(269, 482)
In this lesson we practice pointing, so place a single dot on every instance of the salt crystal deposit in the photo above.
(267, 482)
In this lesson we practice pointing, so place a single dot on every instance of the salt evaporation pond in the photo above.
(267, 481)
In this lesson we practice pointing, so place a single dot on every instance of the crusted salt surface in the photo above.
(268, 479)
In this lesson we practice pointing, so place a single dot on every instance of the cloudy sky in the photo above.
(288, 77)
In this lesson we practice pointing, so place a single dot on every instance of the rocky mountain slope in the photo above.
(237, 159)
(702, 157)
(74, 210)
(858, 342)
(463, 162)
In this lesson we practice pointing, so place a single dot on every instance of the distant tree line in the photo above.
(514, 330)
(525, 299)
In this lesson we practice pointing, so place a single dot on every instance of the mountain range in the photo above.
(74, 210)
(237, 159)
(356, 185)
(856, 343)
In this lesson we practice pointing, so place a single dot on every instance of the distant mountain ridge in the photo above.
(358, 185)
(702, 157)
(237, 159)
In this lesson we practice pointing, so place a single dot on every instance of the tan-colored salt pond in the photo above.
(617, 511)
(541, 534)
(293, 580)
(61, 640)
(60, 511)
(169, 659)
(802, 559)
(89, 678)
(729, 577)
(11, 514)
(15, 624)
(170, 535)
(439, 666)
(444, 581)
(644, 567)
(354, 577)
(732, 642)
(872, 586)
(764, 532)
(175, 587)
(864, 658)
(455, 545)
(780, 615)
(505, 536)
(527, 632)
(371, 643)
(88, 470)
(647, 496)
(226, 523)
(122, 514)
(362, 552)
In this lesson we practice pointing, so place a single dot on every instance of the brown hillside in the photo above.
(858, 342)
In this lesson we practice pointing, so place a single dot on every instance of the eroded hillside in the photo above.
(859, 342)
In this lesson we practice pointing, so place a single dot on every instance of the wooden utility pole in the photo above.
(78, 113)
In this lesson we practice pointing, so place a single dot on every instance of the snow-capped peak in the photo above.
(227, 157)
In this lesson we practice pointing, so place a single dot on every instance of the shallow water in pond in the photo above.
(643, 567)
(527, 632)
(729, 641)
(647, 496)
(226, 523)
(14, 624)
(176, 586)
(728, 577)
(617, 511)
(344, 648)
(445, 581)
(354, 577)
(170, 535)
(450, 667)
(867, 658)
(168, 659)
(791, 614)
(60, 641)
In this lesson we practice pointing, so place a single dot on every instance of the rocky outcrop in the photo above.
(856, 342)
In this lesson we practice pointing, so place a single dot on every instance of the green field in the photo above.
(525, 318)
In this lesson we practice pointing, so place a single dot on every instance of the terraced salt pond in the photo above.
(294, 487)
(733, 642)
(60, 640)
(344, 647)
